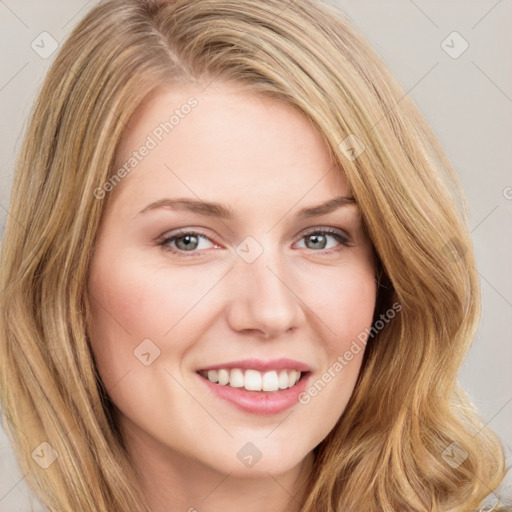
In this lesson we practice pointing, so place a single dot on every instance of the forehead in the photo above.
(242, 146)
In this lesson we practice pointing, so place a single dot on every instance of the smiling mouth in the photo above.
(254, 380)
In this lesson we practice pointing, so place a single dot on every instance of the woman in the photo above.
(244, 280)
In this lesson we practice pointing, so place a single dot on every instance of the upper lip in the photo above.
(261, 365)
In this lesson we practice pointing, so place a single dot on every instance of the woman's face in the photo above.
(213, 261)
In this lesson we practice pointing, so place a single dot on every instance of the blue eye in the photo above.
(190, 242)
(320, 238)
(185, 241)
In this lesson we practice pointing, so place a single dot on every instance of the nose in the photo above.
(262, 299)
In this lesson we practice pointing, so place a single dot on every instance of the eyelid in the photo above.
(170, 236)
(174, 233)
(329, 230)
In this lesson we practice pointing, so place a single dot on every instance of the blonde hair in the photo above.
(386, 451)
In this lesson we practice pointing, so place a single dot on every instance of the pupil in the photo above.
(191, 240)
(318, 241)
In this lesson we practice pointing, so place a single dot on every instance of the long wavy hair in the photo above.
(388, 450)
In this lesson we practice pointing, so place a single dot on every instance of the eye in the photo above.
(318, 240)
(185, 241)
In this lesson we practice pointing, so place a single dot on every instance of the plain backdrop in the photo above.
(465, 94)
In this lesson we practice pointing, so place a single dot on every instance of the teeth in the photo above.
(253, 380)
(223, 377)
(236, 378)
(283, 379)
(270, 382)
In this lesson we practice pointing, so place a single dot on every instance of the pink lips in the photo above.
(264, 403)
(263, 366)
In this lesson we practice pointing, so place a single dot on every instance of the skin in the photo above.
(265, 160)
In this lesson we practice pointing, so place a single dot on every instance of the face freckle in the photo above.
(267, 285)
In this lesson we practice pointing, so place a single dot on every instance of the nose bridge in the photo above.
(262, 297)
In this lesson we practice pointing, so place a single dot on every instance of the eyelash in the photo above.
(342, 238)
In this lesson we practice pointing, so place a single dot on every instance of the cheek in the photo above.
(131, 302)
(343, 301)
(345, 309)
(144, 302)
(139, 310)
(352, 306)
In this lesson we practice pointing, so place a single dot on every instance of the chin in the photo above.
(259, 458)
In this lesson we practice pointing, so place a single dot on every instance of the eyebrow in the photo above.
(221, 211)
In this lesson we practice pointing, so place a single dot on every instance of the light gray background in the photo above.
(467, 100)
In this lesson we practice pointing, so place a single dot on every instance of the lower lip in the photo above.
(264, 403)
